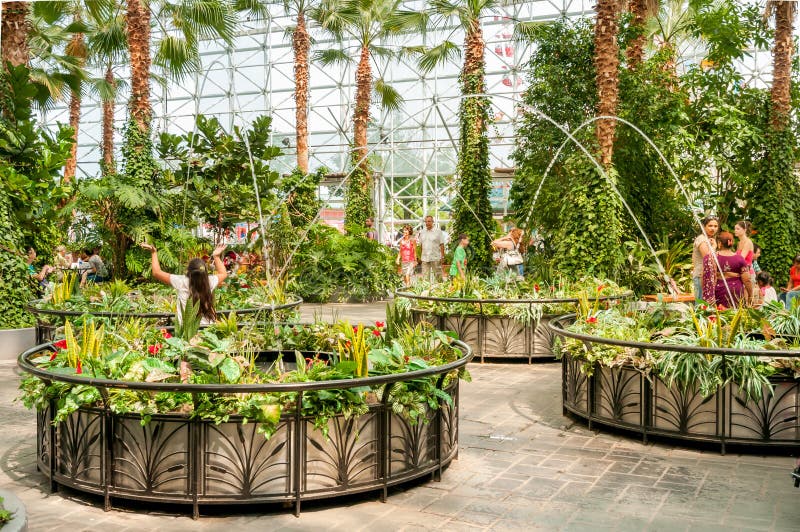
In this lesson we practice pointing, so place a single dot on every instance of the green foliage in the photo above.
(330, 266)
(30, 164)
(300, 194)
(215, 174)
(553, 66)
(5, 515)
(358, 198)
(776, 206)
(30, 191)
(587, 241)
(472, 212)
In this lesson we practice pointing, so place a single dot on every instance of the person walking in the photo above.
(196, 284)
(407, 258)
(458, 269)
(431, 240)
(510, 247)
(704, 244)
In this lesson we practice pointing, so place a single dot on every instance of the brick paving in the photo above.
(521, 466)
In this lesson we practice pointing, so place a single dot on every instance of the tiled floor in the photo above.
(521, 466)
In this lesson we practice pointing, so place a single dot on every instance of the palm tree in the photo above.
(301, 46)
(15, 27)
(782, 56)
(182, 24)
(366, 23)
(472, 209)
(607, 66)
(641, 11)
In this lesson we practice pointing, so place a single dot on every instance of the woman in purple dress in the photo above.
(729, 284)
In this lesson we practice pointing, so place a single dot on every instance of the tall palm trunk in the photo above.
(75, 48)
(361, 114)
(472, 81)
(138, 32)
(635, 51)
(301, 44)
(607, 66)
(782, 53)
(15, 28)
(108, 128)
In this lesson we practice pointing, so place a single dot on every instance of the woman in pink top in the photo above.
(745, 247)
(408, 255)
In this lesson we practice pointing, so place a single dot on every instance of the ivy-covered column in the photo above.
(591, 230)
(472, 212)
(15, 280)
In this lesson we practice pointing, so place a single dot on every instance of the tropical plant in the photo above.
(472, 211)
(14, 34)
(368, 25)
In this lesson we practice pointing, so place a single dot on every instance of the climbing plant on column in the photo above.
(589, 235)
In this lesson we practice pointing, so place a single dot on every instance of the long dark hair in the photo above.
(200, 290)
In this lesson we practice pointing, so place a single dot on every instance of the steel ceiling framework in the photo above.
(414, 149)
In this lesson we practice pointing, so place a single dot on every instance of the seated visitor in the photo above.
(41, 276)
(766, 292)
(94, 269)
(792, 289)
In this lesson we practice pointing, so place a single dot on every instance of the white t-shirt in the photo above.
(770, 295)
(181, 284)
(431, 242)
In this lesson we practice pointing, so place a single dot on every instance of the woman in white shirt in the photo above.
(196, 284)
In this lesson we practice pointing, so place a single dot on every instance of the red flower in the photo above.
(600, 288)
(703, 307)
(591, 319)
(380, 324)
(165, 333)
(720, 306)
(712, 318)
(61, 344)
(154, 349)
(245, 286)
(355, 328)
(536, 287)
(79, 369)
(347, 344)
(406, 359)
(376, 332)
(53, 355)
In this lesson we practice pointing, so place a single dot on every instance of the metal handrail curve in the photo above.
(520, 301)
(557, 326)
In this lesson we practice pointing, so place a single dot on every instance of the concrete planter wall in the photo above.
(15, 341)
(19, 517)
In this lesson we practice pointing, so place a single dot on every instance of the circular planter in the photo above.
(181, 460)
(625, 398)
(497, 336)
(45, 328)
(19, 518)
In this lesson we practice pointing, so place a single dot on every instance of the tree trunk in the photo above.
(138, 32)
(76, 48)
(301, 44)
(635, 51)
(109, 167)
(361, 115)
(780, 93)
(15, 28)
(472, 78)
(607, 65)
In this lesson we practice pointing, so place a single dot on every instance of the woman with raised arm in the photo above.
(196, 284)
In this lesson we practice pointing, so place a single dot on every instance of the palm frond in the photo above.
(439, 55)
(332, 56)
(388, 96)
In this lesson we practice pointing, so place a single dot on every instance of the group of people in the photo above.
(728, 275)
(87, 263)
(431, 245)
